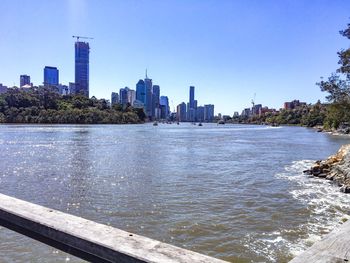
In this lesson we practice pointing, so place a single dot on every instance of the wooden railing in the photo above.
(86, 239)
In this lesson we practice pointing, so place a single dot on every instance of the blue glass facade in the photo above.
(141, 91)
(82, 51)
(51, 76)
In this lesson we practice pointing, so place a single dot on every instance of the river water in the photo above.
(235, 192)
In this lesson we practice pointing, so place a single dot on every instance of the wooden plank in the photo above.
(334, 247)
(87, 239)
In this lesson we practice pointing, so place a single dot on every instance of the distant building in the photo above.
(235, 114)
(62, 89)
(71, 88)
(208, 113)
(293, 104)
(51, 76)
(114, 98)
(148, 103)
(3, 88)
(141, 91)
(82, 51)
(181, 112)
(164, 107)
(138, 104)
(131, 96)
(155, 102)
(123, 96)
(256, 110)
(246, 112)
(191, 106)
(24, 80)
(200, 113)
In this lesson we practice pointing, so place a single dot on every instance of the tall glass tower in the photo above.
(82, 51)
(51, 76)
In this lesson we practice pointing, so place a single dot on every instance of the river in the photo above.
(235, 192)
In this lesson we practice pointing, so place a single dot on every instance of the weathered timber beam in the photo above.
(87, 239)
(333, 248)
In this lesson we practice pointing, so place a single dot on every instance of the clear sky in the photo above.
(228, 50)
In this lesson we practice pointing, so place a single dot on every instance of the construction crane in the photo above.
(253, 100)
(77, 37)
(253, 105)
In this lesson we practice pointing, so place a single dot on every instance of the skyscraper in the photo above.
(82, 51)
(155, 102)
(164, 107)
(123, 96)
(181, 112)
(51, 76)
(209, 112)
(191, 108)
(191, 97)
(114, 98)
(131, 96)
(148, 88)
(24, 80)
(141, 92)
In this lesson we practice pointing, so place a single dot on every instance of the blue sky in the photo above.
(228, 50)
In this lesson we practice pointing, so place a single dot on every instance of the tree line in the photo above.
(43, 105)
(334, 114)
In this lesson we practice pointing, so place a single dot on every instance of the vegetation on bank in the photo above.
(42, 105)
(332, 115)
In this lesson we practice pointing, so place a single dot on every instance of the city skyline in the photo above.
(278, 51)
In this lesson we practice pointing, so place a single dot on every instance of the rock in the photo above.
(335, 168)
(345, 189)
(316, 170)
(308, 172)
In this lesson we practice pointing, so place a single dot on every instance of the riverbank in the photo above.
(335, 168)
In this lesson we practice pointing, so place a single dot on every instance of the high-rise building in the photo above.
(131, 96)
(181, 112)
(155, 102)
(82, 51)
(148, 104)
(200, 113)
(191, 97)
(164, 107)
(191, 106)
(141, 91)
(51, 76)
(24, 80)
(209, 112)
(114, 98)
(123, 96)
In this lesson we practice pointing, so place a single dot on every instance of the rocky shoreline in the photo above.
(335, 168)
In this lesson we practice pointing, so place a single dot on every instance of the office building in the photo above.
(164, 107)
(191, 106)
(208, 113)
(181, 112)
(114, 98)
(131, 96)
(82, 51)
(155, 102)
(141, 92)
(24, 80)
(200, 113)
(51, 76)
(123, 96)
(148, 103)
